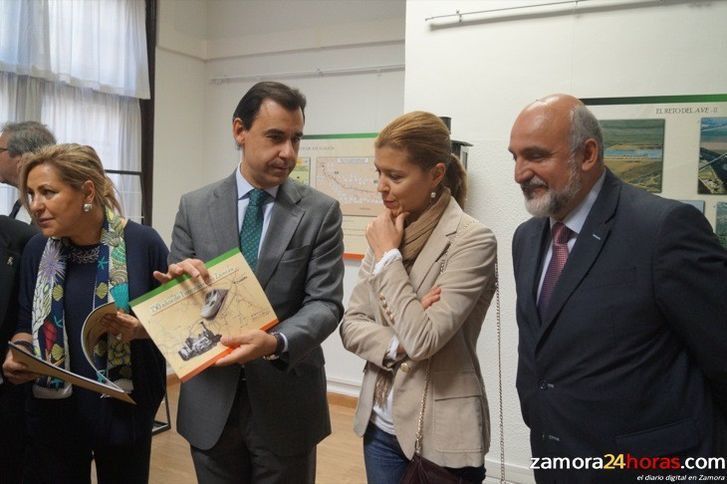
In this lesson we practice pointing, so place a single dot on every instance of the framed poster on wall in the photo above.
(675, 146)
(342, 166)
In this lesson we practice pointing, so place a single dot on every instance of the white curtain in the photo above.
(78, 66)
(97, 44)
(111, 124)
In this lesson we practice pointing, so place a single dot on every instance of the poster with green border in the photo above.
(342, 166)
(693, 151)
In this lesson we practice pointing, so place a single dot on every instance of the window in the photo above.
(83, 77)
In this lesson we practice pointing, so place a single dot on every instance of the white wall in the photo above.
(484, 70)
(178, 127)
(200, 41)
(343, 104)
(179, 108)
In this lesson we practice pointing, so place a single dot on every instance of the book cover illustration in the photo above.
(186, 318)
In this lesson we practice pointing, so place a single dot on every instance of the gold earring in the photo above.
(87, 207)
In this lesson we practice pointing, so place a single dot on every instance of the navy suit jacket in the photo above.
(13, 237)
(631, 356)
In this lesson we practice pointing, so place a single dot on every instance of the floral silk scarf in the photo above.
(112, 358)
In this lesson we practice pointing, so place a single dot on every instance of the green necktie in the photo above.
(252, 226)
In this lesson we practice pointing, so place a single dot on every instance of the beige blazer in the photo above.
(460, 258)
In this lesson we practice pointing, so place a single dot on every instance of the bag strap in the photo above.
(420, 421)
(501, 424)
(499, 375)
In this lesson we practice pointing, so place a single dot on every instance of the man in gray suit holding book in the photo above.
(258, 414)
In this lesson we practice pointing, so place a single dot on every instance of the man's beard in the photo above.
(551, 202)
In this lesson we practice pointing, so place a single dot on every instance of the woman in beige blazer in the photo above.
(423, 290)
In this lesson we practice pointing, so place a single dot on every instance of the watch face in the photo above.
(212, 303)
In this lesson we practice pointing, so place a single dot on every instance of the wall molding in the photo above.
(342, 386)
(514, 474)
(354, 34)
(332, 72)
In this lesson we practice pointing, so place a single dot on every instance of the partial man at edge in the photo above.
(17, 139)
(14, 234)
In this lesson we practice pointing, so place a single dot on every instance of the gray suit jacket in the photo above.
(301, 269)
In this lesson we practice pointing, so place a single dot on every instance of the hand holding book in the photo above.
(17, 372)
(248, 346)
(193, 268)
(208, 314)
(124, 326)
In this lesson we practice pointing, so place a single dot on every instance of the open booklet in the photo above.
(186, 318)
(93, 330)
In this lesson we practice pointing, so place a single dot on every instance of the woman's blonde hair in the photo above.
(75, 165)
(425, 139)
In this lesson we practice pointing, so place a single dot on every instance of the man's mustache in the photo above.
(532, 184)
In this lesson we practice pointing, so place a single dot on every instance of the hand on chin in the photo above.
(394, 212)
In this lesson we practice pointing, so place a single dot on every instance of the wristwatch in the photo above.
(279, 345)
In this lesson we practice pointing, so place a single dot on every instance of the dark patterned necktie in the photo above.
(252, 226)
(561, 234)
(15, 210)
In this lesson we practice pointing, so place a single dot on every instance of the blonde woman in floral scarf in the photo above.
(86, 256)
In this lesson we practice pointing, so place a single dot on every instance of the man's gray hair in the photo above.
(27, 136)
(584, 126)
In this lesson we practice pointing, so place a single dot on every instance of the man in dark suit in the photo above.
(13, 236)
(622, 311)
(261, 422)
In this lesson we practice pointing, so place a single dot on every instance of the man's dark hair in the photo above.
(26, 137)
(248, 107)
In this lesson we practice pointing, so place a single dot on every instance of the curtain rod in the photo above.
(305, 74)
(459, 14)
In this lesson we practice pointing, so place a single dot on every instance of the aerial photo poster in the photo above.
(674, 146)
(342, 166)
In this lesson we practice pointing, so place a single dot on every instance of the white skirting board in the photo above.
(513, 474)
(349, 388)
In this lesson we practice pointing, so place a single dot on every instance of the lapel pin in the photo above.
(596, 237)
(10, 260)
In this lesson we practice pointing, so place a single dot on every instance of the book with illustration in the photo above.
(186, 318)
(92, 333)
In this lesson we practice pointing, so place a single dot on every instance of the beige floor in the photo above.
(340, 459)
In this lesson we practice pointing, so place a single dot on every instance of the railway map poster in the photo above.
(674, 146)
(187, 318)
(342, 166)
